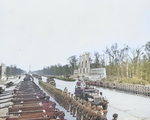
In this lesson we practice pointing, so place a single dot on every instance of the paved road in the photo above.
(128, 107)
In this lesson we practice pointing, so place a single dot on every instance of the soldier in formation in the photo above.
(81, 109)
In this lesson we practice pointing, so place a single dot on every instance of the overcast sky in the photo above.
(46, 32)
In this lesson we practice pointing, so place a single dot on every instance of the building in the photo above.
(2, 71)
(85, 69)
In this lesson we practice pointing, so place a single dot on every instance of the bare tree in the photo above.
(112, 52)
(90, 58)
(147, 49)
(73, 61)
(134, 59)
(96, 59)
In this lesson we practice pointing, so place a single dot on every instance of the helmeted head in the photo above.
(99, 108)
(115, 115)
(103, 117)
(93, 113)
(98, 114)
(94, 107)
(47, 97)
(88, 109)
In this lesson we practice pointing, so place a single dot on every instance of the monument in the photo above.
(85, 69)
(2, 71)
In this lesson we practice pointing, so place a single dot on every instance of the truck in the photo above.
(91, 94)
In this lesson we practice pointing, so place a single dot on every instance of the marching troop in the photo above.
(81, 109)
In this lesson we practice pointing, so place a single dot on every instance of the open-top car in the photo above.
(91, 94)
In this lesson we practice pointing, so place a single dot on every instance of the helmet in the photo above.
(99, 108)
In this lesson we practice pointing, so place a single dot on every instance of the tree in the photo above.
(134, 59)
(147, 49)
(13, 70)
(90, 58)
(96, 60)
(73, 61)
(112, 53)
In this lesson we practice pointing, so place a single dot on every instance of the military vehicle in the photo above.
(91, 94)
(2, 88)
(8, 84)
(28, 77)
(51, 81)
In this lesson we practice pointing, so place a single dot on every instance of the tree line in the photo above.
(65, 70)
(125, 62)
(55, 70)
(13, 71)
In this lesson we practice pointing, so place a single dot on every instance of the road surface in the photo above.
(128, 107)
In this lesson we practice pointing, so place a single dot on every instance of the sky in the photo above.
(41, 33)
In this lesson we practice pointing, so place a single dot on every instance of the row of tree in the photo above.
(13, 71)
(123, 62)
(65, 70)
(56, 70)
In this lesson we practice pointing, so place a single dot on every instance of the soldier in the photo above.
(115, 116)
(84, 112)
(64, 98)
(87, 103)
(88, 109)
(105, 112)
(89, 114)
(105, 103)
(93, 112)
(75, 107)
(66, 90)
(72, 104)
(103, 117)
(79, 103)
(148, 90)
(99, 112)
(68, 102)
(101, 93)
(98, 116)
(79, 107)
(83, 102)
(60, 97)
(134, 89)
(57, 96)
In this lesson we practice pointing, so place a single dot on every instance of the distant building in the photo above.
(85, 69)
(2, 71)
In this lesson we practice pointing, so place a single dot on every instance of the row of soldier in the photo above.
(130, 88)
(81, 109)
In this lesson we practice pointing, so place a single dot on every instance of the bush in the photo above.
(65, 79)
(133, 81)
(67, 76)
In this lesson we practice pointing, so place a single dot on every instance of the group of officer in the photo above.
(81, 109)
